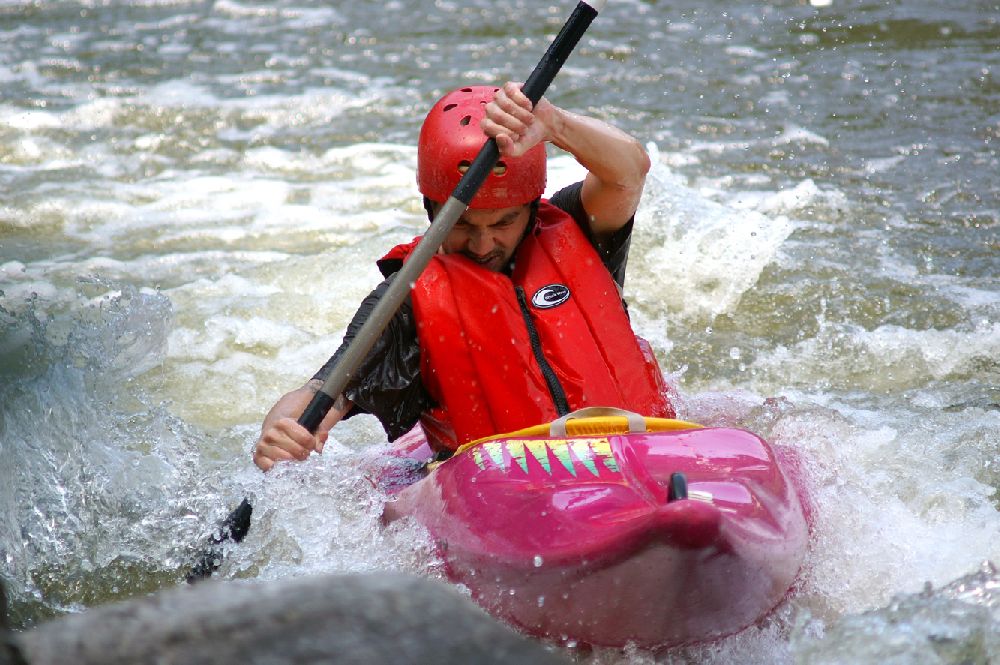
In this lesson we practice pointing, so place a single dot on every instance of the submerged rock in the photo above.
(372, 618)
(10, 654)
(958, 624)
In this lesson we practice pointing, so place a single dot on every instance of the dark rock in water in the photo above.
(10, 653)
(983, 404)
(958, 624)
(373, 618)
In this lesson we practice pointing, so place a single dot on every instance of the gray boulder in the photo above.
(372, 618)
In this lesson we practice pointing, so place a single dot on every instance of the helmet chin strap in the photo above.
(430, 207)
(534, 216)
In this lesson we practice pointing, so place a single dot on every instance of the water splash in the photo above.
(709, 254)
(99, 481)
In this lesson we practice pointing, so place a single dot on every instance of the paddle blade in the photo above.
(234, 528)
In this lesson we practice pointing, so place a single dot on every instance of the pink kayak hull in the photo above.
(575, 539)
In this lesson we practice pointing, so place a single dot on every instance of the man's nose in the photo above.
(481, 242)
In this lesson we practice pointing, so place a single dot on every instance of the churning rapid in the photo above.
(194, 194)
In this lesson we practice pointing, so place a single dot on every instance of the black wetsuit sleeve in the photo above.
(614, 250)
(387, 384)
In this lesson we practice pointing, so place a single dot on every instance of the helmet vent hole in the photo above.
(465, 121)
(500, 169)
(449, 107)
(463, 166)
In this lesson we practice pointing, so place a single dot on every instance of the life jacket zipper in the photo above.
(551, 380)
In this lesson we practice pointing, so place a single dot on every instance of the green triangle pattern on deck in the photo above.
(540, 451)
(516, 450)
(581, 449)
(495, 450)
(602, 448)
(561, 451)
(477, 457)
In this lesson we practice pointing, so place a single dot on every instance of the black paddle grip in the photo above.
(316, 411)
(560, 48)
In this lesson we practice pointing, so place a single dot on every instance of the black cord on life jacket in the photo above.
(555, 388)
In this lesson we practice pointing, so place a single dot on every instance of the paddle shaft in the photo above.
(443, 222)
(237, 523)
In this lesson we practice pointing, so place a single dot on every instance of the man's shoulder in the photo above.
(613, 250)
(569, 199)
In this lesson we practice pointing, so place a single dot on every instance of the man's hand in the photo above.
(616, 162)
(514, 124)
(282, 438)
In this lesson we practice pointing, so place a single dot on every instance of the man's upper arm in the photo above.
(612, 248)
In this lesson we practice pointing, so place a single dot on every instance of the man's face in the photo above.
(489, 236)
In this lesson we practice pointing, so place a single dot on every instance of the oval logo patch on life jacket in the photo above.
(550, 295)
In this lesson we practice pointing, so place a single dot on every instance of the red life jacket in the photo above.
(478, 360)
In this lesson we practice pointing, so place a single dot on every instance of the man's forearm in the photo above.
(614, 157)
(616, 166)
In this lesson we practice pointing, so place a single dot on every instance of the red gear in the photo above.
(477, 360)
(450, 139)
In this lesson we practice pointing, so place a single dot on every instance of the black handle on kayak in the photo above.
(456, 205)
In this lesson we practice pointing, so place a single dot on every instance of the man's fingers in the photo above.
(291, 436)
(286, 440)
(321, 438)
(263, 463)
(508, 146)
(512, 90)
(281, 448)
(506, 140)
(507, 115)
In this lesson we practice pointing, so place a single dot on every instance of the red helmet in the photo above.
(450, 139)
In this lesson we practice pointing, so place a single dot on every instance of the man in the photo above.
(467, 355)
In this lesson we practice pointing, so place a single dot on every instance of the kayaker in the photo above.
(466, 355)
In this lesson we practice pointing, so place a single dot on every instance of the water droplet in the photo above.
(538, 561)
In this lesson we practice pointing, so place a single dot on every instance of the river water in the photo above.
(192, 195)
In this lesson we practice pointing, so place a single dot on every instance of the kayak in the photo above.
(606, 528)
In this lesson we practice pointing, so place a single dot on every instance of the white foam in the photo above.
(787, 201)
(744, 51)
(31, 121)
(890, 357)
(884, 496)
(880, 165)
(563, 170)
(693, 257)
(790, 134)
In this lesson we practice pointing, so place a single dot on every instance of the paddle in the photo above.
(237, 523)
